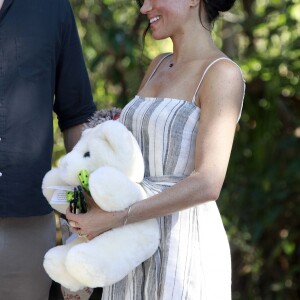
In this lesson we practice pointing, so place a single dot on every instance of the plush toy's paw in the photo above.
(88, 266)
(109, 257)
(54, 264)
(112, 190)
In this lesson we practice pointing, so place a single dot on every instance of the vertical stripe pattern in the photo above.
(193, 259)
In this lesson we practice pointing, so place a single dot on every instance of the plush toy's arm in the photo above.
(112, 190)
(51, 179)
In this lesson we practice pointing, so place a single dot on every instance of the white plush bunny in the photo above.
(111, 155)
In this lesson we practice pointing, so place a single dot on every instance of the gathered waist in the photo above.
(166, 180)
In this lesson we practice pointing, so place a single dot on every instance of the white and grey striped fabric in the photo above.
(193, 260)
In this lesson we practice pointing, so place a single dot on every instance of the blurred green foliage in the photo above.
(261, 194)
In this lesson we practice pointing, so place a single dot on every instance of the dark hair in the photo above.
(140, 3)
(214, 7)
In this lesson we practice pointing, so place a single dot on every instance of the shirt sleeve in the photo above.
(73, 96)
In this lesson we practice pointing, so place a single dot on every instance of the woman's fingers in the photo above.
(92, 235)
(73, 219)
(74, 224)
(90, 224)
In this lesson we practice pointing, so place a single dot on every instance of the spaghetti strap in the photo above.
(159, 63)
(206, 70)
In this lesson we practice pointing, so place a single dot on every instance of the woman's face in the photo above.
(166, 17)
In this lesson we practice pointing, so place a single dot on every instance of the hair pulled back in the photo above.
(211, 7)
(214, 7)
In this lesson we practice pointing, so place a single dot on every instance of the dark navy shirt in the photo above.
(41, 70)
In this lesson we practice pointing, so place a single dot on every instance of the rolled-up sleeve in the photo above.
(73, 102)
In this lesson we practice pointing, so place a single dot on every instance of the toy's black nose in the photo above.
(86, 154)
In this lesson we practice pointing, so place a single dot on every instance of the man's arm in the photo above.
(73, 95)
(71, 136)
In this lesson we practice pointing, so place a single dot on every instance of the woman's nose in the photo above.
(147, 6)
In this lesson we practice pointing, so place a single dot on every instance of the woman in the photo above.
(184, 118)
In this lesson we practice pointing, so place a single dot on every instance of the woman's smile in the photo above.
(154, 20)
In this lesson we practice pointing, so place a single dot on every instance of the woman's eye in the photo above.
(86, 154)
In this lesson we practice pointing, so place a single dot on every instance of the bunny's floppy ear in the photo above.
(117, 147)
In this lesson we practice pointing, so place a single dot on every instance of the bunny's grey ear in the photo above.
(103, 115)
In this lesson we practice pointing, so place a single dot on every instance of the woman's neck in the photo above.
(195, 47)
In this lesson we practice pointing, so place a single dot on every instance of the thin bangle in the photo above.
(127, 215)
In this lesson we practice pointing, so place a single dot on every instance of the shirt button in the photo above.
(0, 174)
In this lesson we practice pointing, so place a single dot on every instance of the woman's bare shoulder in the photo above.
(223, 79)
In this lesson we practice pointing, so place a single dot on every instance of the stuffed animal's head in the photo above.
(107, 144)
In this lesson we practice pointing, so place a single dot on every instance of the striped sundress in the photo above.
(193, 260)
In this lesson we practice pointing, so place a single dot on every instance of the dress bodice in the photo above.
(166, 131)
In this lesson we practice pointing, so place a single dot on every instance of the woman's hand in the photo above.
(95, 221)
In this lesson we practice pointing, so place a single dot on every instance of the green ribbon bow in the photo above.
(84, 182)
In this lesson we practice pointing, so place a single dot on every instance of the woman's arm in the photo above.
(222, 94)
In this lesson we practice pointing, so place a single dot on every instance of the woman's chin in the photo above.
(157, 36)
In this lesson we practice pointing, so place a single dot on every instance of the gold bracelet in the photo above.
(127, 215)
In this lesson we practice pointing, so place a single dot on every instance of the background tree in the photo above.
(261, 195)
